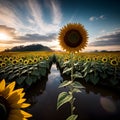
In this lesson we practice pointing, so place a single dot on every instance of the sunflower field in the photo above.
(22, 70)
(88, 68)
(27, 68)
(94, 68)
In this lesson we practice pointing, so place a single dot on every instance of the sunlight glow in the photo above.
(4, 36)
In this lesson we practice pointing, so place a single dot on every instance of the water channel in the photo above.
(93, 103)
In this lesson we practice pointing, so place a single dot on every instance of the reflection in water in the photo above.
(92, 104)
(108, 104)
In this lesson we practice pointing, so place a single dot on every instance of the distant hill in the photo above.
(33, 47)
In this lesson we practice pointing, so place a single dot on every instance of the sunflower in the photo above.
(41, 58)
(95, 58)
(114, 62)
(11, 102)
(104, 59)
(35, 60)
(14, 62)
(88, 59)
(26, 62)
(1, 61)
(21, 60)
(30, 61)
(10, 59)
(3, 64)
(73, 37)
(5, 59)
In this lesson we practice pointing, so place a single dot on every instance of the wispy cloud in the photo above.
(93, 18)
(37, 16)
(110, 39)
(30, 19)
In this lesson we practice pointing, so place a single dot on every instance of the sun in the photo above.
(4, 36)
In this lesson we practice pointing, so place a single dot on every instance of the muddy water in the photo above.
(92, 104)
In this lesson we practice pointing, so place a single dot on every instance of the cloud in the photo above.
(28, 16)
(25, 21)
(48, 39)
(36, 37)
(8, 30)
(93, 18)
(110, 39)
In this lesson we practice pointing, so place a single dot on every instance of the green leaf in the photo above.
(20, 80)
(42, 64)
(76, 64)
(43, 71)
(24, 71)
(91, 70)
(12, 76)
(65, 83)
(73, 108)
(77, 75)
(67, 70)
(87, 77)
(35, 72)
(63, 98)
(67, 62)
(34, 78)
(76, 90)
(85, 74)
(31, 68)
(72, 117)
(76, 84)
(28, 81)
(94, 80)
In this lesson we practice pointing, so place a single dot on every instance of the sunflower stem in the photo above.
(115, 73)
(72, 66)
(72, 79)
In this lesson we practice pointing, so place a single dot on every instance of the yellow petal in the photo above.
(8, 90)
(26, 115)
(15, 106)
(2, 85)
(15, 117)
(17, 113)
(21, 100)
(24, 105)
(22, 95)
(13, 98)
(11, 86)
(19, 91)
(25, 119)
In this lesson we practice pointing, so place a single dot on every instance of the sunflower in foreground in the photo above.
(12, 102)
(73, 37)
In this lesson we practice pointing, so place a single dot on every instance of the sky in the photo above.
(25, 22)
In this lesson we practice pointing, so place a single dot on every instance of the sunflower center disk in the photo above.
(73, 38)
(4, 108)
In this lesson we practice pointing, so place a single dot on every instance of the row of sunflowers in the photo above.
(95, 68)
(25, 70)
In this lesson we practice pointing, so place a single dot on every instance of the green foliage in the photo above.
(72, 117)
(25, 74)
(63, 98)
(65, 83)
